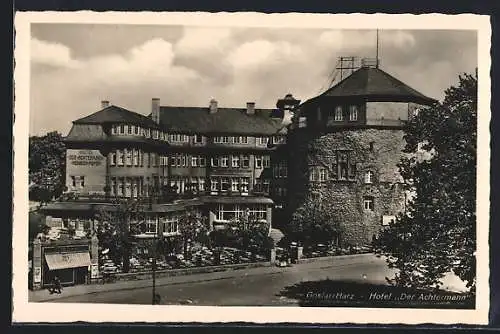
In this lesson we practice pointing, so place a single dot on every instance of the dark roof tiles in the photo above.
(224, 121)
(374, 83)
(114, 114)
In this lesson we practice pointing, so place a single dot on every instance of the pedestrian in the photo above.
(57, 285)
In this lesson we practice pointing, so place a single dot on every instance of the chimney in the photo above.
(155, 110)
(213, 106)
(104, 104)
(250, 108)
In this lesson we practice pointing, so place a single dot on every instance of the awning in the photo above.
(67, 260)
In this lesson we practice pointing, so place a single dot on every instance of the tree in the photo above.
(438, 233)
(47, 161)
(114, 230)
(193, 228)
(36, 225)
(314, 222)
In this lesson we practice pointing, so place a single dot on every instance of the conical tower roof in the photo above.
(374, 84)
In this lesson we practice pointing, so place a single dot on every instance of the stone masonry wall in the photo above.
(345, 198)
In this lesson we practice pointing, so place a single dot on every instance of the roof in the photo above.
(237, 199)
(115, 114)
(374, 83)
(224, 121)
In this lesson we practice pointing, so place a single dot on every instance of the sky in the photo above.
(75, 66)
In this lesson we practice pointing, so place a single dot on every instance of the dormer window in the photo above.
(122, 129)
(130, 129)
(339, 116)
(353, 113)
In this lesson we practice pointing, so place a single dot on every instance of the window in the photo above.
(155, 134)
(122, 128)
(202, 161)
(258, 161)
(235, 161)
(244, 181)
(266, 161)
(235, 184)
(198, 139)
(227, 212)
(339, 116)
(136, 158)
(151, 225)
(368, 203)
(113, 130)
(369, 176)
(265, 186)
(224, 161)
(119, 189)
(164, 161)
(112, 158)
(313, 174)
(183, 160)
(262, 141)
(113, 186)
(353, 113)
(323, 174)
(224, 183)
(178, 138)
(342, 158)
(201, 184)
(128, 188)
(120, 157)
(215, 162)
(278, 140)
(372, 145)
(240, 140)
(73, 181)
(194, 161)
(245, 161)
(214, 184)
(280, 170)
(222, 140)
(136, 130)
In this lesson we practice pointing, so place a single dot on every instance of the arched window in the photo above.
(353, 113)
(369, 176)
(339, 116)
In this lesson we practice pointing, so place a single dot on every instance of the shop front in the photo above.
(71, 267)
(72, 261)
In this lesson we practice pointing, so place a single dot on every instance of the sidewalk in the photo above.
(44, 295)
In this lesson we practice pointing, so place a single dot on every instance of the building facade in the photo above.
(217, 162)
(345, 145)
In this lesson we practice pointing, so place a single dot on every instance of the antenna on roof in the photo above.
(376, 56)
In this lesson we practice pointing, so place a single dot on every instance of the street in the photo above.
(252, 287)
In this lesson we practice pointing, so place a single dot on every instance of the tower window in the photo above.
(339, 116)
(369, 176)
(353, 113)
(368, 203)
(372, 145)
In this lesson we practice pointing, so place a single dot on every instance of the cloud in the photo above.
(232, 65)
(200, 41)
(52, 54)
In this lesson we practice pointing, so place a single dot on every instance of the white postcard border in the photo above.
(24, 311)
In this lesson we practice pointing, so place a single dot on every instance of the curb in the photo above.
(279, 270)
(227, 269)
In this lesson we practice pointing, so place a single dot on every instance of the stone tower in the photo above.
(345, 145)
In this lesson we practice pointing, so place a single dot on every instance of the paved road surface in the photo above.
(249, 288)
